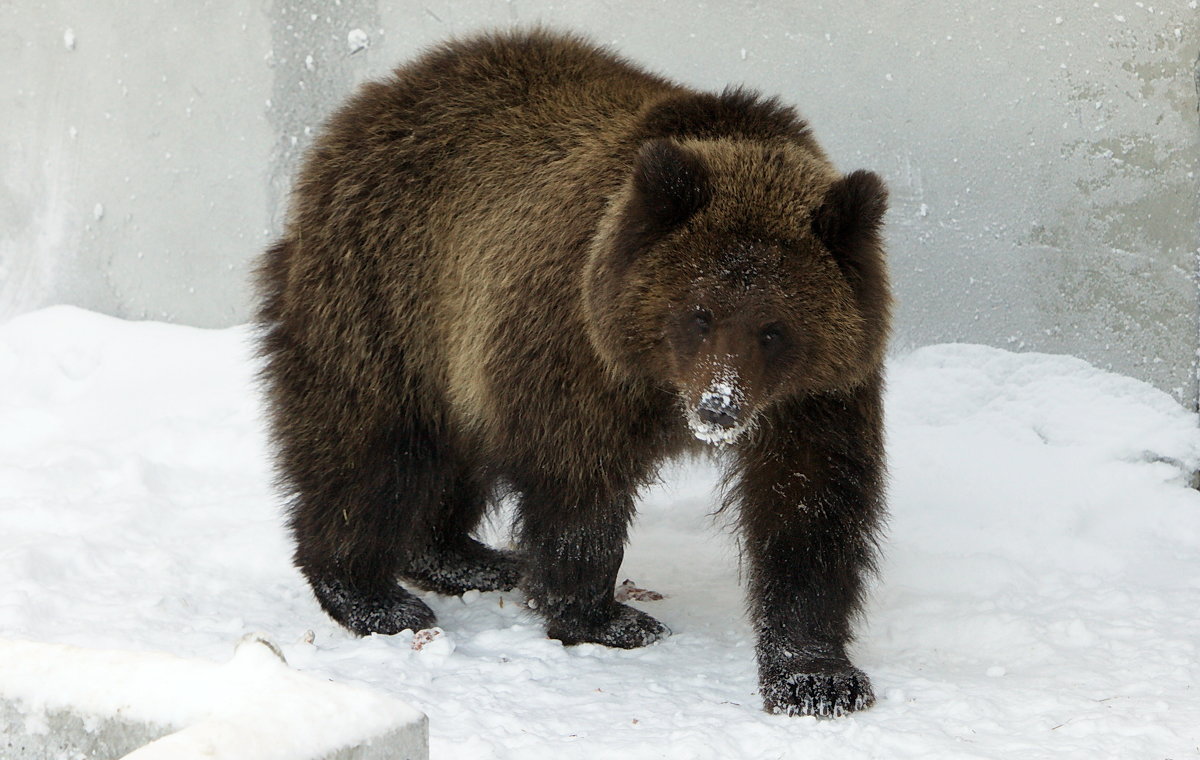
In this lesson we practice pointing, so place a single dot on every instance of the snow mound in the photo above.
(1040, 594)
(1060, 400)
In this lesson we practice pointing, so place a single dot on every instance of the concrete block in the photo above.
(65, 702)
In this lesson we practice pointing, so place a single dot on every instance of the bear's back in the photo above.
(455, 155)
(442, 216)
(493, 108)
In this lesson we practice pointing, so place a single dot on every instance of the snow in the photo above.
(1040, 595)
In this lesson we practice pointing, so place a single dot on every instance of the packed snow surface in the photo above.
(1040, 595)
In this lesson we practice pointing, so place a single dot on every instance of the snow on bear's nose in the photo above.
(718, 410)
(719, 416)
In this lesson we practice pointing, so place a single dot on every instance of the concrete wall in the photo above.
(59, 701)
(1043, 156)
(135, 144)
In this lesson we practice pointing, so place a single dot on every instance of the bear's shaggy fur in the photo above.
(523, 265)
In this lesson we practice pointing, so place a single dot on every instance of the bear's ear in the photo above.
(670, 184)
(849, 219)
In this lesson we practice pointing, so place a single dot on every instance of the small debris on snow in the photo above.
(421, 638)
(425, 637)
(257, 639)
(69, 39)
(433, 643)
(628, 591)
(357, 40)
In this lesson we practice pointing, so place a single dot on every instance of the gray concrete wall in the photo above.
(133, 151)
(1043, 156)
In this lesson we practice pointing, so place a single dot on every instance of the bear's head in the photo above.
(739, 273)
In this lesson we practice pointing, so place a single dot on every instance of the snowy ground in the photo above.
(1040, 596)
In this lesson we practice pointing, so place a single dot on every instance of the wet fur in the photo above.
(483, 285)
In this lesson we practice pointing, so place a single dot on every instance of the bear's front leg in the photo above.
(573, 542)
(810, 493)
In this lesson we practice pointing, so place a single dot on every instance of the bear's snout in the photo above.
(720, 414)
(719, 410)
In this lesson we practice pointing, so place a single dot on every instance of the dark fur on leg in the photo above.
(810, 515)
(574, 554)
(356, 527)
(469, 565)
(387, 610)
(452, 562)
(368, 488)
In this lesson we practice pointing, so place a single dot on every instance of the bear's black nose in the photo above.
(716, 411)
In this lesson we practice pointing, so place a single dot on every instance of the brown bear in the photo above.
(523, 266)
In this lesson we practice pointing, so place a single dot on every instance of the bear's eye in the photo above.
(701, 322)
(771, 336)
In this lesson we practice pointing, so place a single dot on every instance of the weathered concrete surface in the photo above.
(1044, 157)
(133, 154)
(58, 701)
(57, 734)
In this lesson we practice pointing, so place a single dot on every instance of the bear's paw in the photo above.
(387, 611)
(627, 628)
(823, 690)
(474, 566)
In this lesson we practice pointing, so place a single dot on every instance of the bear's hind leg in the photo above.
(452, 562)
(357, 514)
